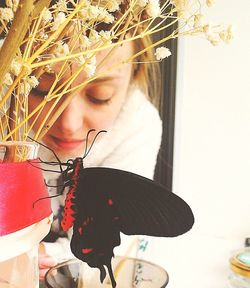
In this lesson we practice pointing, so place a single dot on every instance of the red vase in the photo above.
(25, 217)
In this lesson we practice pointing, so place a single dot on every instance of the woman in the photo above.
(118, 101)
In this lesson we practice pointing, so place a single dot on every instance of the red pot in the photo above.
(21, 185)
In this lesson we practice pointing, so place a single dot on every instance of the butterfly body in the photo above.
(69, 209)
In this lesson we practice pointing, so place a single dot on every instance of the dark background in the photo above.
(164, 168)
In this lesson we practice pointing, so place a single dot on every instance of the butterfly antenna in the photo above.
(86, 144)
(87, 152)
(54, 153)
(43, 198)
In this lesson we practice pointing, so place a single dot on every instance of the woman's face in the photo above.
(96, 106)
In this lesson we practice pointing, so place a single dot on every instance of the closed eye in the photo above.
(97, 100)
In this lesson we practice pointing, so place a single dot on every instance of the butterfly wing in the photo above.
(108, 201)
(142, 206)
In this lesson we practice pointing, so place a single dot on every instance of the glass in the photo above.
(129, 272)
(18, 267)
(240, 269)
(17, 151)
(20, 271)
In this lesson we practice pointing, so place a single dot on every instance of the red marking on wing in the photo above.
(84, 224)
(68, 218)
(87, 250)
(110, 202)
(80, 230)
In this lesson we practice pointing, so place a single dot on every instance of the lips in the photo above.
(67, 144)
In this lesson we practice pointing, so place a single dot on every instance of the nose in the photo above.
(72, 118)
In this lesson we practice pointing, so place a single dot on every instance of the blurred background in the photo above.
(211, 163)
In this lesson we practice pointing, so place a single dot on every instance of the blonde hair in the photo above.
(147, 71)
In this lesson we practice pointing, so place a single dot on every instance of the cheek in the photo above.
(103, 117)
(34, 120)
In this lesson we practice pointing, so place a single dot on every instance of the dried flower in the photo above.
(84, 35)
(15, 67)
(161, 53)
(62, 49)
(227, 34)
(90, 67)
(47, 16)
(25, 88)
(33, 82)
(7, 79)
(153, 8)
(199, 20)
(6, 14)
(210, 2)
(85, 42)
(58, 20)
(142, 3)
(111, 5)
(61, 6)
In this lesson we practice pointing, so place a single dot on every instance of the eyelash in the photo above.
(92, 99)
(98, 101)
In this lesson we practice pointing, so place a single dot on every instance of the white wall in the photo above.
(212, 152)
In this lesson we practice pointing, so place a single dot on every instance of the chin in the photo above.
(64, 156)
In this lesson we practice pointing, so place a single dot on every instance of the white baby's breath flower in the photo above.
(212, 34)
(105, 35)
(58, 20)
(84, 42)
(180, 5)
(210, 2)
(213, 38)
(80, 60)
(7, 79)
(142, 3)
(105, 16)
(25, 88)
(111, 5)
(62, 49)
(32, 81)
(93, 12)
(90, 70)
(90, 67)
(161, 53)
(47, 16)
(60, 6)
(227, 34)
(153, 8)
(6, 14)
(83, 13)
(94, 36)
(43, 35)
(199, 20)
(15, 67)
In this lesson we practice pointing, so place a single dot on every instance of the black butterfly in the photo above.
(102, 202)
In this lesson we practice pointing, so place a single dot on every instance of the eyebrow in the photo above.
(105, 79)
(98, 79)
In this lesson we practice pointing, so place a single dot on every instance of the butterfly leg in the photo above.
(111, 275)
(102, 273)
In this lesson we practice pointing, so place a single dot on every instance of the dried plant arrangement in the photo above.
(36, 36)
